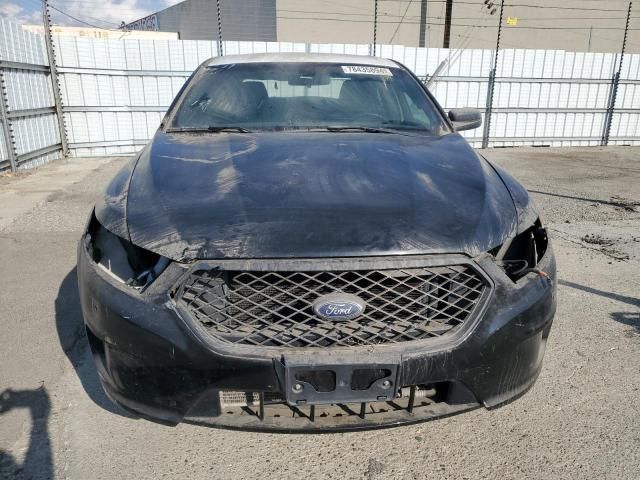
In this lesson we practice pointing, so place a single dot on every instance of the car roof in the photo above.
(302, 57)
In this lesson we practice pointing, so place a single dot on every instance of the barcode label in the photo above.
(366, 70)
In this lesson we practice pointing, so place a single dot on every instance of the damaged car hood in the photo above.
(314, 194)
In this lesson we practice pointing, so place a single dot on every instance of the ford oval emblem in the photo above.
(339, 307)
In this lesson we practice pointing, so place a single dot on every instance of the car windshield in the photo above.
(279, 96)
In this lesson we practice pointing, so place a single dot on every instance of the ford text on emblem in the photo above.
(339, 307)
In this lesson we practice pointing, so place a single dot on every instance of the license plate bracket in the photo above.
(313, 383)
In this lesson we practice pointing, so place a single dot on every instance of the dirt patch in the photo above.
(625, 204)
(374, 469)
(595, 239)
(607, 246)
(7, 177)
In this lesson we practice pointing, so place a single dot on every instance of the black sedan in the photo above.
(307, 244)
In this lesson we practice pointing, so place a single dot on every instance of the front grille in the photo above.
(275, 308)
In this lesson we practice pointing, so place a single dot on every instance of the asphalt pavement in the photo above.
(580, 420)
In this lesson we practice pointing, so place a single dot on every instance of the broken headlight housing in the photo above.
(521, 254)
(121, 259)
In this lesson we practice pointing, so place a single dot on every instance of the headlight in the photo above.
(124, 261)
(521, 254)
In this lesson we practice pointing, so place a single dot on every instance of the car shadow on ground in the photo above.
(73, 341)
(631, 319)
(617, 202)
(603, 293)
(38, 461)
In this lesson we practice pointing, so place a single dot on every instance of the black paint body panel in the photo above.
(315, 194)
(151, 363)
(312, 195)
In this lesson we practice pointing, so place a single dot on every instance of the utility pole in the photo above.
(57, 97)
(447, 24)
(422, 41)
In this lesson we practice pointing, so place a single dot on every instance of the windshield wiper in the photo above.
(210, 128)
(347, 128)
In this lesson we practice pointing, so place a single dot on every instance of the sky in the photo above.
(102, 13)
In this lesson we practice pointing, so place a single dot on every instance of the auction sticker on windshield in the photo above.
(366, 70)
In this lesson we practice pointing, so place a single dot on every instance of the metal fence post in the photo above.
(491, 86)
(220, 45)
(615, 82)
(6, 123)
(57, 97)
(488, 108)
(608, 116)
(375, 26)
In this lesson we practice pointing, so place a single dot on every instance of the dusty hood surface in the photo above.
(303, 194)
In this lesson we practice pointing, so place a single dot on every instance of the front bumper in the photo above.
(152, 363)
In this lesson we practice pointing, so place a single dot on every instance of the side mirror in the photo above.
(465, 118)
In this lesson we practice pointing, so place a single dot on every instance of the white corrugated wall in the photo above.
(28, 98)
(115, 92)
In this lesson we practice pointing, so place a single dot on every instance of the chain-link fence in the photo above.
(106, 96)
